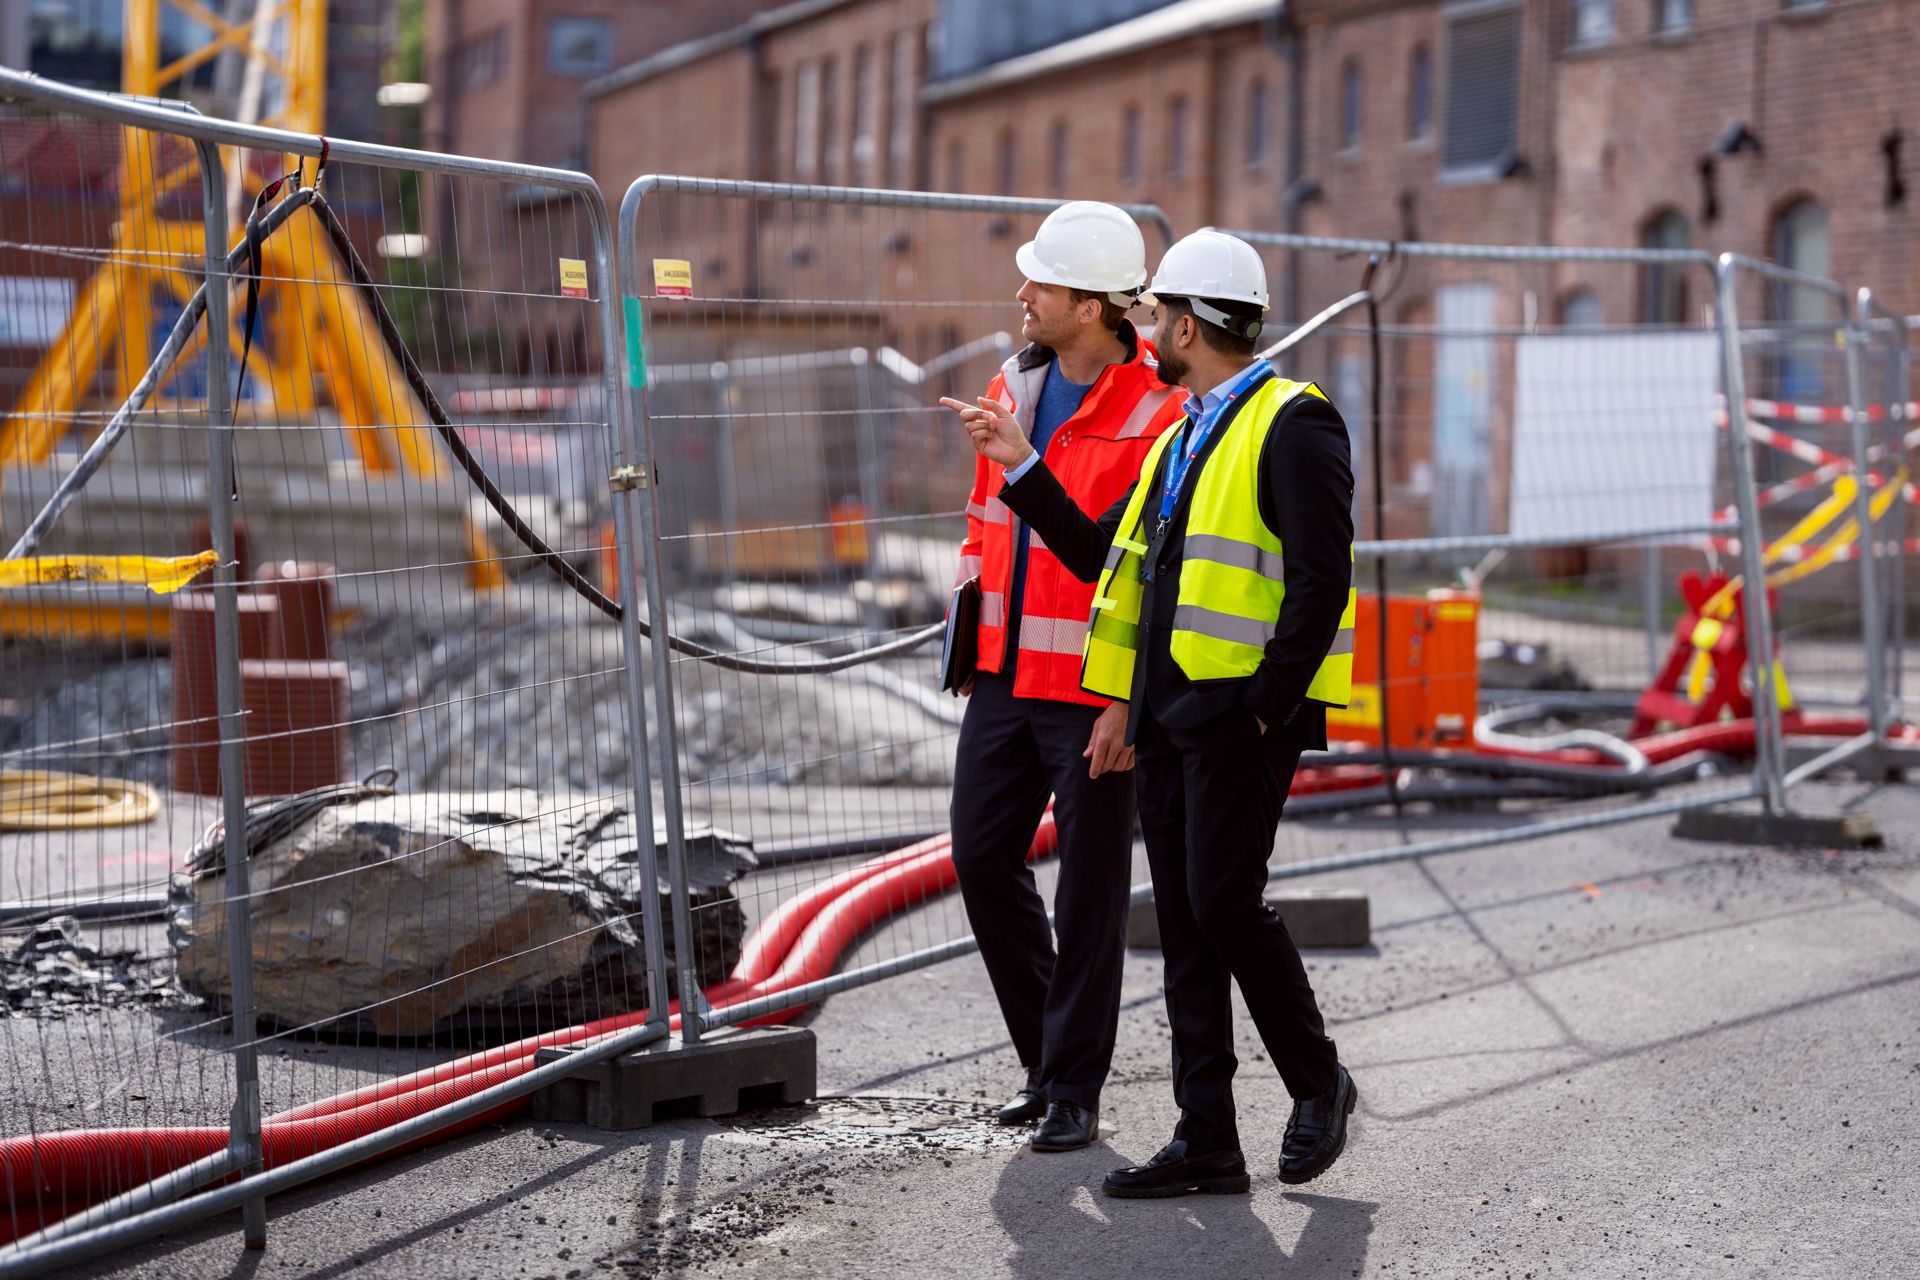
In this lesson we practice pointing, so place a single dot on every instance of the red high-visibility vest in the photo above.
(1096, 455)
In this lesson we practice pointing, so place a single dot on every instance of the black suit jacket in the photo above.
(1305, 494)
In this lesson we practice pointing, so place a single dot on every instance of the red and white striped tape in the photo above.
(1824, 414)
(1795, 552)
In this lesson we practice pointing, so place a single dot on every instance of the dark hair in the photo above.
(1219, 339)
(1111, 312)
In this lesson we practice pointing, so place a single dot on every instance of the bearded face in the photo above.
(1173, 370)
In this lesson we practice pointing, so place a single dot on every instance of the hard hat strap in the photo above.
(1247, 327)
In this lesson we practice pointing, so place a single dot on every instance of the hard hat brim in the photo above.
(1027, 258)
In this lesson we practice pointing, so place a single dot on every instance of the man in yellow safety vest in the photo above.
(1223, 615)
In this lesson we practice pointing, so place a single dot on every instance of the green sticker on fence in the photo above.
(636, 349)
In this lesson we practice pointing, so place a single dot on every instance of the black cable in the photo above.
(1379, 527)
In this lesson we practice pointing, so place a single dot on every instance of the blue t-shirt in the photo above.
(1059, 400)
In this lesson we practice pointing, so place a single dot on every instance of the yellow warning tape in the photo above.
(162, 575)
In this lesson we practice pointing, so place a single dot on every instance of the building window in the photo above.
(866, 123)
(830, 171)
(1663, 285)
(478, 62)
(1802, 242)
(1580, 309)
(1674, 16)
(1177, 139)
(1592, 23)
(1006, 162)
(1420, 95)
(1794, 6)
(1130, 146)
(1350, 94)
(1257, 124)
(900, 144)
(579, 46)
(1481, 111)
(806, 123)
(1057, 159)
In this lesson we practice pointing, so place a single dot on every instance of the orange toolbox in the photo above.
(1433, 672)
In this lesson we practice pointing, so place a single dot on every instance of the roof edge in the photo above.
(688, 52)
(1143, 32)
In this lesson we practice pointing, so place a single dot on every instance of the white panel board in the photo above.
(1613, 433)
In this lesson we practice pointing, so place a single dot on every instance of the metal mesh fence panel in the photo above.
(1539, 483)
(396, 680)
(1803, 365)
(95, 1032)
(810, 498)
(1823, 420)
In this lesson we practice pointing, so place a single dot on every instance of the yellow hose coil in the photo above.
(33, 801)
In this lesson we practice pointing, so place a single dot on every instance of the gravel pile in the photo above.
(50, 971)
(525, 692)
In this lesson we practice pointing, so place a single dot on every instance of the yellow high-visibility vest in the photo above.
(1232, 573)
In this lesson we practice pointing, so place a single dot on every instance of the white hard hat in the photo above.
(1212, 265)
(1088, 246)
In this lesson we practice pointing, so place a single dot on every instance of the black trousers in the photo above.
(1062, 1008)
(1210, 802)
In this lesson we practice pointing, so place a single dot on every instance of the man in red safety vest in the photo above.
(1087, 391)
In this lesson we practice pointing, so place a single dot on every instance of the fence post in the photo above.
(1872, 634)
(641, 494)
(1768, 747)
(632, 564)
(1900, 386)
(244, 1124)
(870, 441)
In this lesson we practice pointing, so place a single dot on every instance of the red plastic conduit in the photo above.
(806, 935)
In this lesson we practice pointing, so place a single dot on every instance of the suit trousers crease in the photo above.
(1210, 804)
(1062, 1010)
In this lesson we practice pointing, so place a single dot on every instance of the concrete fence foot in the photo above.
(728, 1072)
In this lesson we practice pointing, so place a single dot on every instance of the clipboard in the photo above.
(960, 649)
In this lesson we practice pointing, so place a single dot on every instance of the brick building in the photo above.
(508, 75)
(1778, 129)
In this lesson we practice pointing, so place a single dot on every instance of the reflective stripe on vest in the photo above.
(1052, 635)
(993, 608)
(1232, 573)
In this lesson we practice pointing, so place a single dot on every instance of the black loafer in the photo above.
(1175, 1171)
(1068, 1127)
(1025, 1106)
(1317, 1134)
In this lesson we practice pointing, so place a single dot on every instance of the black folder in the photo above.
(960, 651)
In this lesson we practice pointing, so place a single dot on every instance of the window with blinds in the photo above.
(1480, 131)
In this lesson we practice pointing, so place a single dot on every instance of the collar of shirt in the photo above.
(1202, 410)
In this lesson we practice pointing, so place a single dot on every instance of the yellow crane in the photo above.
(317, 342)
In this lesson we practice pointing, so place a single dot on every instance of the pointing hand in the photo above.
(995, 432)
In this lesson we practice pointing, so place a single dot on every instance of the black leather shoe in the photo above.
(1317, 1134)
(1025, 1106)
(1176, 1172)
(1068, 1127)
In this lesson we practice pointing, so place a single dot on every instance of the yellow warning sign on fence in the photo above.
(163, 575)
(673, 277)
(573, 278)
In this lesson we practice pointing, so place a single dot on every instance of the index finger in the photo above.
(958, 406)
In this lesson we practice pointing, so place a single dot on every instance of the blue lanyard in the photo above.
(1194, 438)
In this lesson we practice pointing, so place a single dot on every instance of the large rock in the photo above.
(422, 914)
